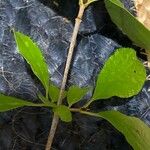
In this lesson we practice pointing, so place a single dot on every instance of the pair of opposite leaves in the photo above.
(123, 75)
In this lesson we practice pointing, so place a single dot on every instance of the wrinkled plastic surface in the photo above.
(139, 105)
(52, 33)
(28, 127)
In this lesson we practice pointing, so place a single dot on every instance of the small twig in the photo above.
(68, 62)
(88, 104)
(148, 58)
(78, 110)
(148, 78)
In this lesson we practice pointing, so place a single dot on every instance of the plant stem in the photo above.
(148, 57)
(88, 103)
(55, 119)
(46, 93)
(42, 105)
(84, 112)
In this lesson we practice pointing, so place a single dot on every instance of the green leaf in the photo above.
(46, 101)
(134, 29)
(123, 75)
(42, 98)
(64, 113)
(8, 103)
(54, 93)
(136, 132)
(75, 94)
(30, 51)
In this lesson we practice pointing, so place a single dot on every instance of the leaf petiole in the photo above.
(88, 104)
(78, 110)
(48, 104)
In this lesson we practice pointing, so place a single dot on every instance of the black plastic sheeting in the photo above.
(45, 22)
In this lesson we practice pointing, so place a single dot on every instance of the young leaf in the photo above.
(30, 51)
(8, 103)
(63, 112)
(123, 75)
(134, 29)
(75, 94)
(42, 98)
(136, 132)
(54, 93)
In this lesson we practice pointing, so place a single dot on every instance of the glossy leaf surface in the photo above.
(129, 25)
(54, 93)
(137, 133)
(42, 98)
(8, 103)
(123, 75)
(75, 94)
(64, 113)
(32, 54)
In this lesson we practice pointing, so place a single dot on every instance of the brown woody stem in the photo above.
(148, 58)
(55, 119)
